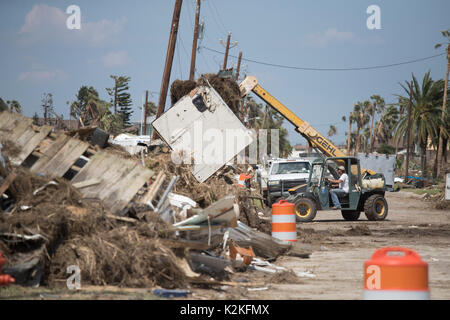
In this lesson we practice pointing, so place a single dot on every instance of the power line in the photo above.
(331, 69)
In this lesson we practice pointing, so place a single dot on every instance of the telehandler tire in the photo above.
(376, 207)
(305, 210)
(350, 215)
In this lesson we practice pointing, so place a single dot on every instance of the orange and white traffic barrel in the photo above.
(284, 226)
(396, 273)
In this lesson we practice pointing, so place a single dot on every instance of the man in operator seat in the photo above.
(343, 188)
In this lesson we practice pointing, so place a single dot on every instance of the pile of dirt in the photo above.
(81, 232)
(359, 231)
(227, 88)
(286, 276)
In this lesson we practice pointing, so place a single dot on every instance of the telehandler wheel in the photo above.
(376, 208)
(351, 215)
(305, 210)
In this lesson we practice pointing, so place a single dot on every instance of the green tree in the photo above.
(121, 98)
(14, 106)
(377, 106)
(361, 118)
(425, 113)
(78, 107)
(35, 119)
(272, 120)
(385, 127)
(332, 131)
(47, 106)
(3, 105)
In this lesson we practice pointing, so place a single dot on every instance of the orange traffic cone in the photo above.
(403, 276)
(5, 279)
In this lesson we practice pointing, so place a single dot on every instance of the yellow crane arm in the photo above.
(314, 137)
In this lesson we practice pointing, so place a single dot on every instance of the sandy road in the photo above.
(341, 248)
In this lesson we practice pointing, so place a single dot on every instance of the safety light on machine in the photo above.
(273, 182)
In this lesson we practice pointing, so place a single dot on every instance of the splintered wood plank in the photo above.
(18, 126)
(126, 190)
(50, 152)
(30, 140)
(5, 118)
(116, 176)
(64, 158)
(96, 168)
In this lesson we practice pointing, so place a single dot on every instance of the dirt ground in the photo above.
(333, 271)
(342, 247)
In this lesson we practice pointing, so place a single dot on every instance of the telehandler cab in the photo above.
(366, 193)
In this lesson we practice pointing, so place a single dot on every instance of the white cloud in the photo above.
(331, 35)
(37, 76)
(45, 23)
(116, 59)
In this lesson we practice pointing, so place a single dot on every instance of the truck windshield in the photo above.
(290, 167)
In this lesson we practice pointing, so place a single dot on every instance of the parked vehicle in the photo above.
(284, 175)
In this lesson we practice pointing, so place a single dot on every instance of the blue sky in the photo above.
(39, 54)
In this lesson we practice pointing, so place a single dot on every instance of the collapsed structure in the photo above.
(69, 198)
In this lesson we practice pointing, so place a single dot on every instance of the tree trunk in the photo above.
(357, 140)
(436, 157)
(115, 97)
(423, 158)
(349, 138)
(444, 110)
(371, 128)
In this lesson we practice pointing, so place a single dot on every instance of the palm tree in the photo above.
(377, 105)
(332, 131)
(361, 118)
(441, 150)
(14, 106)
(384, 128)
(425, 113)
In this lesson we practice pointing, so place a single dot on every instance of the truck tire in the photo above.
(351, 215)
(305, 210)
(376, 207)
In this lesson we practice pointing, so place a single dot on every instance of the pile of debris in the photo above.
(167, 230)
(226, 87)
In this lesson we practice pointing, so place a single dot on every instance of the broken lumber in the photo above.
(266, 246)
(86, 183)
(9, 179)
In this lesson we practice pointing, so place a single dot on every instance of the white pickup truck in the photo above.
(284, 175)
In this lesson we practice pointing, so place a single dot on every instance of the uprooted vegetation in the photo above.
(80, 232)
(227, 88)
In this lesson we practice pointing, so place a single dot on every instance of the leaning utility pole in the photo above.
(440, 149)
(227, 48)
(194, 42)
(144, 132)
(169, 60)
(408, 129)
(238, 68)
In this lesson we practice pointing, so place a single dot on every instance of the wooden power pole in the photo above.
(408, 129)
(145, 113)
(194, 41)
(238, 68)
(169, 59)
(227, 49)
